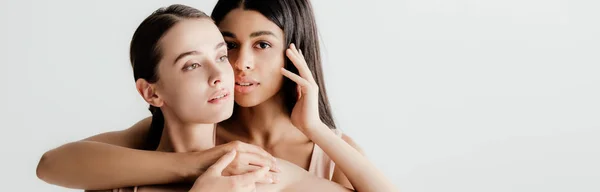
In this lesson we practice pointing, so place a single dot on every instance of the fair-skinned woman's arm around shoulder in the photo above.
(115, 159)
(112, 156)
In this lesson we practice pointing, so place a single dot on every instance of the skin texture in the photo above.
(204, 75)
(260, 120)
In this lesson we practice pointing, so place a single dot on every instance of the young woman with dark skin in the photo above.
(290, 119)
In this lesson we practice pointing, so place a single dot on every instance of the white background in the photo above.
(444, 95)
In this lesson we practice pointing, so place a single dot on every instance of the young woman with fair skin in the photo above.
(287, 118)
(181, 69)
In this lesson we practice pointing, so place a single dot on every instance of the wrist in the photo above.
(188, 166)
(193, 164)
(198, 162)
(315, 129)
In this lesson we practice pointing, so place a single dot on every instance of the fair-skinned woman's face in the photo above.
(256, 52)
(195, 77)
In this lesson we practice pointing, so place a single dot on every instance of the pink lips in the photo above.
(245, 84)
(219, 96)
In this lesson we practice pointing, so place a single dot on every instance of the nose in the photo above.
(216, 81)
(216, 77)
(245, 60)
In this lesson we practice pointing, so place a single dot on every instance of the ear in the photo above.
(149, 92)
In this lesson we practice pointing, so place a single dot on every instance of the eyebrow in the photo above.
(228, 34)
(259, 33)
(254, 34)
(186, 54)
(221, 44)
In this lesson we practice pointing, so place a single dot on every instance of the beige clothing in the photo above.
(320, 164)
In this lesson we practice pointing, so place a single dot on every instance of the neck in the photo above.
(180, 137)
(267, 123)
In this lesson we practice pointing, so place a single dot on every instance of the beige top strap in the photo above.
(320, 164)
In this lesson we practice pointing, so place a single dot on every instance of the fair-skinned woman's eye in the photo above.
(223, 58)
(263, 45)
(191, 67)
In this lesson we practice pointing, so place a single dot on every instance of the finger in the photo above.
(299, 62)
(299, 80)
(299, 91)
(299, 52)
(223, 162)
(268, 178)
(260, 161)
(310, 77)
(253, 149)
(252, 168)
(249, 148)
(252, 177)
(240, 170)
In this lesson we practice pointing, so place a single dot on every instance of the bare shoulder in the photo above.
(132, 137)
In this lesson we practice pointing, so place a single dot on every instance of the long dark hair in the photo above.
(145, 53)
(297, 20)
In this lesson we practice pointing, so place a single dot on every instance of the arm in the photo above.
(113, 160)
(113, 157)
(362, 174)
(293, 178)
(338, 174)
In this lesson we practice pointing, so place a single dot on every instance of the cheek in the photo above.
(269, 62)
(272, 63)
(194, 86)
(186, 90)
(272, 58)
(228, 75)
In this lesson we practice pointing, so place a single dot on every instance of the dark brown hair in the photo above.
(145, 54)
(297, 20)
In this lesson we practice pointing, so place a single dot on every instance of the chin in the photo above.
(224, 116)
(247, 101)
(216, 117)
(213, 115)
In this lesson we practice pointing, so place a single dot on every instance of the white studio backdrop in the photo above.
(455, 95)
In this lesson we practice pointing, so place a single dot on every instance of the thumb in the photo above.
(222, 163)
(299, 91)
(253, 177)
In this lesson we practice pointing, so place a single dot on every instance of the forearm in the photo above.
(94, 165)
(363, 175)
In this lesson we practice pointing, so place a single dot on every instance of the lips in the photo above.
(245, 85)
(219, 96)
